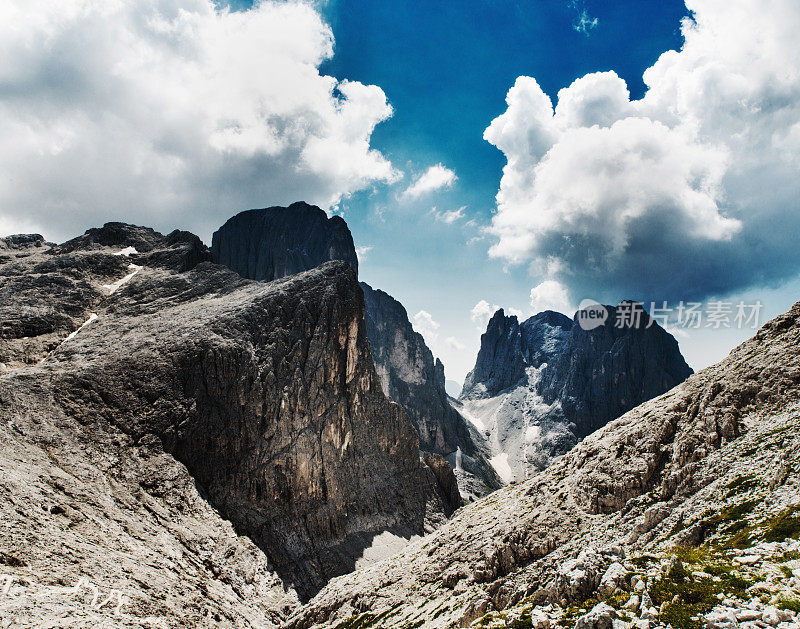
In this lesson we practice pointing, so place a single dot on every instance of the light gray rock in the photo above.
(578, 578)
(613, 578)
(601, 616)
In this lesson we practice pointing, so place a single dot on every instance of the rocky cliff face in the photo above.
(540, 386)
(45, 293)
(275, 242)
(412, 378)
(157, 401)
(683, 512)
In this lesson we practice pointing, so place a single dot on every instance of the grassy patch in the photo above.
(525, 621)
(785, 524)
(691, 554)
(367, 619)
(732, 520)
(686, 597)
(741, 484)
(789, 605)
(643, 560)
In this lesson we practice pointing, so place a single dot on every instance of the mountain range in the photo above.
(246, 436)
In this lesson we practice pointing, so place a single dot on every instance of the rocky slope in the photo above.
(540, 386)
(708, 472)
(275, 242)
(209, 447)
(411, 377)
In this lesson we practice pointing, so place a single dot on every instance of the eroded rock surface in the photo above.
(668, 472)
(414, 379)
(206, 444)
(276, 242)
(540, 386)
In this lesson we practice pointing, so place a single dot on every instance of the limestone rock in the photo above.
(203, 429)
(601, 616)
(414, 379)
(271, 243)
(681, 449)
(276, 242)
(540, 386)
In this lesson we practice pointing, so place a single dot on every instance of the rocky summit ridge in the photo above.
(270, 243)
(274, 242)
(213, 447)
(540, 386)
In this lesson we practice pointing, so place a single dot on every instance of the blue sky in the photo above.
(446, 69)
(485, 153)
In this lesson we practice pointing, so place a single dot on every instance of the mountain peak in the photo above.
(270, 243)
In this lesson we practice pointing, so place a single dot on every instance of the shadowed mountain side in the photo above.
(274, 242)
(540, 386)
(648, 483)
(266, 392)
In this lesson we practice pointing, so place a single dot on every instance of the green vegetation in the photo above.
(643, 560)
(362, 621)
(733, 521)
(367, 620)
(691, 554)
(741, 484)
(785, 524)
(686, 597)
(789, 605)
(525, 621)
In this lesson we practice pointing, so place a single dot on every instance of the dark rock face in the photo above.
(266, 392)
(553, 382)
(412, 378)
(21, 241)
(409, 373)
(543, 337)
(274, 242)
(597, 375)
(500, 363)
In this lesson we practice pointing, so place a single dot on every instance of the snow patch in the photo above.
(500, 464)
(472, 418)
(113, 288)
(384, 545)
(92, 317)
(126, 251)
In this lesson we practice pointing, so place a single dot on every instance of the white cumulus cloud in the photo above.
(689, 191)
(424, 324)
(482, 312)
(453, 343)
(448, 217)
(434, 178)
(551, 295)
(174, 113)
